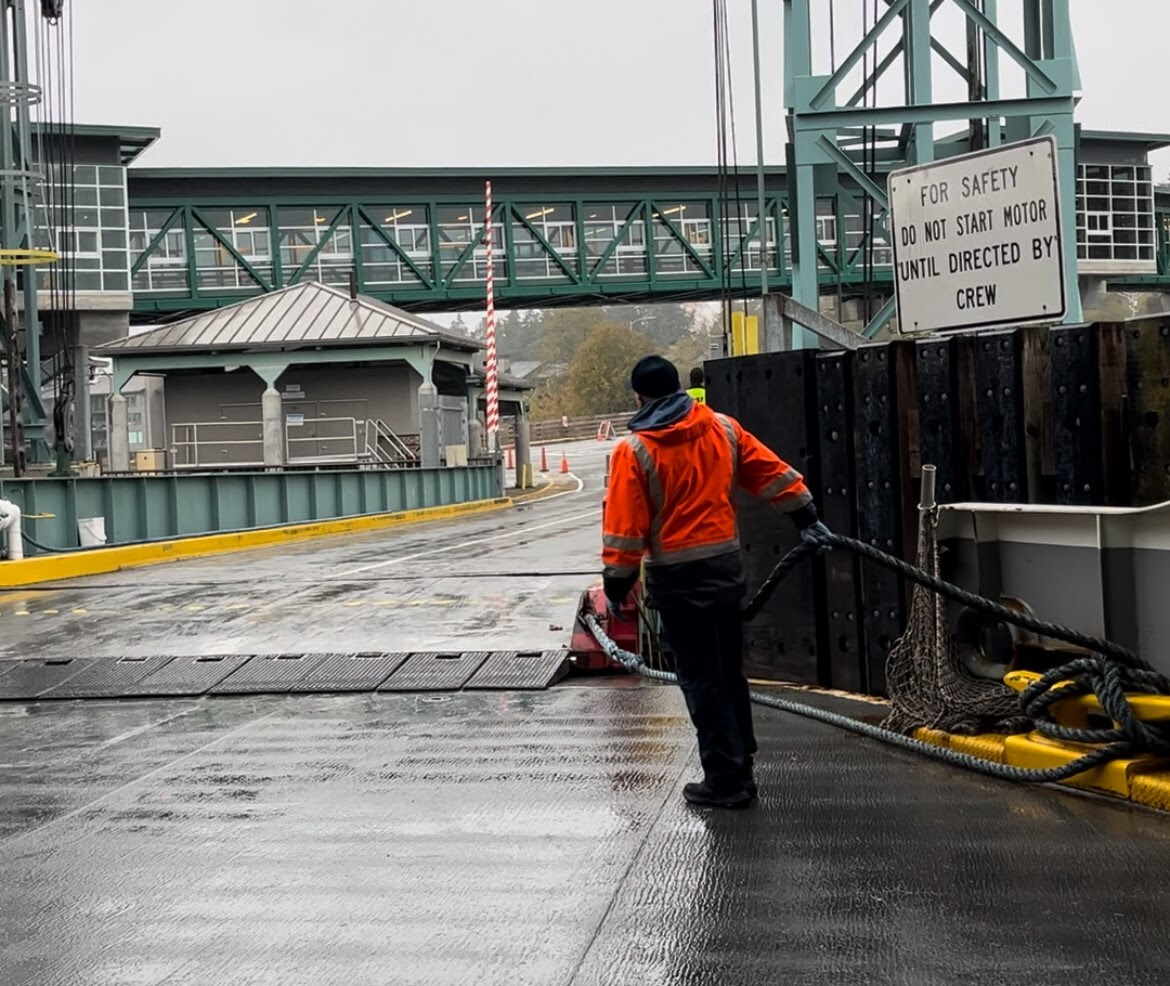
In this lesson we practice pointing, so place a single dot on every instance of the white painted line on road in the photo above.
(580, 487)
(514, 532)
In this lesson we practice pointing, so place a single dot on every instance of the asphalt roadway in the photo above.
(506, 838)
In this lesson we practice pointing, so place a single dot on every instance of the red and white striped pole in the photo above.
(493, 382)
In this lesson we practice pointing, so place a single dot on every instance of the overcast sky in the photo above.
(494, 82)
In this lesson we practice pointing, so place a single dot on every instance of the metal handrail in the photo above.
(383, 431)
(185, 436)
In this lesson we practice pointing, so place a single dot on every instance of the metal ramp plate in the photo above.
(187, 675)
(348, 672)
(275, 673)
(520, 670)
(434, 672)
(108, 677)
(30, 679)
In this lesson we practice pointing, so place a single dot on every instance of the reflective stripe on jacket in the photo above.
(671, 490)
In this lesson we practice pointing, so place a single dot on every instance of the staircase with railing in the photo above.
(383, 446)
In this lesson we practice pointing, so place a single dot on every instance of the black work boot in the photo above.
(701, 794)
(749, 781)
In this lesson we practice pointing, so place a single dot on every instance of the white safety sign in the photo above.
(978, 240)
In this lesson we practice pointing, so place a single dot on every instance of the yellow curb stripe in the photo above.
(98, 561)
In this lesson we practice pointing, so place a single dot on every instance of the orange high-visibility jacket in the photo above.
(671, 491)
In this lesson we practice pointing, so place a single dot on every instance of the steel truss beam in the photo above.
(824, 120)
(651, 247)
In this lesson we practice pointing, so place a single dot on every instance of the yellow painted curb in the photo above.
(97, 561)
(1139, 782)
(988, 746)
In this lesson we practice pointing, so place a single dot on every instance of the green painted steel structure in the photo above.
(151, 508)
(205, 238)
(838, 133)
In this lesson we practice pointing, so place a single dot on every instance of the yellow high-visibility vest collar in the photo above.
(699, 394)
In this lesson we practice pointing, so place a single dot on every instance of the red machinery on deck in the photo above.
(584, 651)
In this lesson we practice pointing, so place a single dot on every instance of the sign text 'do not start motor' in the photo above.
(978, 240)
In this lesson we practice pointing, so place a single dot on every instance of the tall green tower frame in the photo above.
(832, 131)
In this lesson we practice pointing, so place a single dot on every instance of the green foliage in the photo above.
(597, 377)
(564, 332)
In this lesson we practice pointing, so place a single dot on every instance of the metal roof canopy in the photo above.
(309, 315)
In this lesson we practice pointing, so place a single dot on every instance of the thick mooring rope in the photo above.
(1109, 673)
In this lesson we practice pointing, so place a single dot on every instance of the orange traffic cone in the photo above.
(543, 459)
(511, 458)
(564, 462)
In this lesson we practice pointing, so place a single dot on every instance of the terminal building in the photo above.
(153, 246)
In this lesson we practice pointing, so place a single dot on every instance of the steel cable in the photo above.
(1108, 674)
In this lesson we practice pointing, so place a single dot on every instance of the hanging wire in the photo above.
(728, 171)
(869, 164)
(717, 8)
(58, 159)
(741, 226)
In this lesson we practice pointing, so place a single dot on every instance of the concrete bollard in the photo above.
(523, 454)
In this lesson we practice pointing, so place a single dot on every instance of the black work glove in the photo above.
(812, 529)
(816, 534)
(616, 590)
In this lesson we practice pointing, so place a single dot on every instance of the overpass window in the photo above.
(302, 231)
(458, 227)
(165, 270)
(1116, 225)
(246, 231)
(406, 226)
(677, 223)
(555, 224)
(606, 225)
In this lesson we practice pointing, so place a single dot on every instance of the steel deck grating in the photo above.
(270, 673)
(108, 677)
(521, 670)
(435, 671)
(31, 679)
(348, 672)
(187, 675)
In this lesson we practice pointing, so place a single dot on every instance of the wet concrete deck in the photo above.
(509, 838)
(540, 839)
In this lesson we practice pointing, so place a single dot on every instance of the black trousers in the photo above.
(708, 656)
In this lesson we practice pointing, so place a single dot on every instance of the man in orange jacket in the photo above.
(671, 496)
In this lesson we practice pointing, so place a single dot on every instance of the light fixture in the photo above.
(399, 215)
(319, 219)
(593, 215)
(244, 220)
(461, 219)
(677, 208)
(541, 212)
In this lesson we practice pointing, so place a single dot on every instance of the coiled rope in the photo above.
(1108, 673)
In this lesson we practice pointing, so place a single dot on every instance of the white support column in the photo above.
(428, 426)
(272, 415)
(83, 439)
(119, 436)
